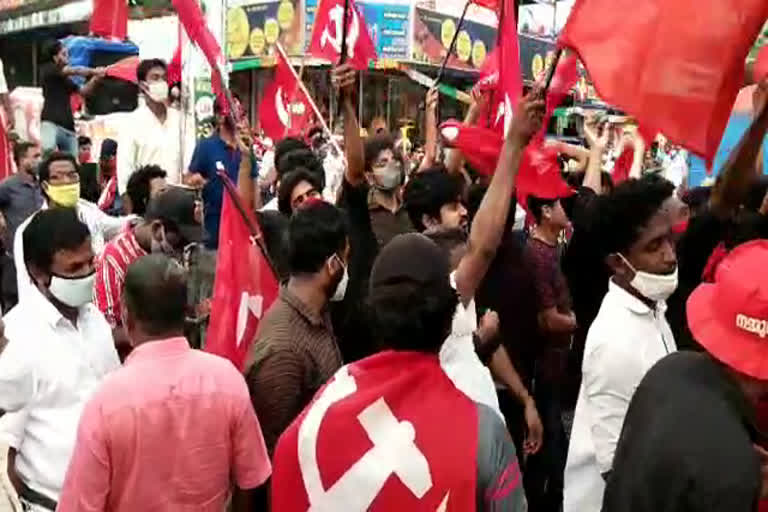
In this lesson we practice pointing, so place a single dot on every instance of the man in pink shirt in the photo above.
(174, 428)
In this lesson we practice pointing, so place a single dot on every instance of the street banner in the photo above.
(253, 29)
(389, 26)
(674, 65)
(434, 31)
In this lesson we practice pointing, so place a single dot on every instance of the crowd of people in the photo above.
(438, 341)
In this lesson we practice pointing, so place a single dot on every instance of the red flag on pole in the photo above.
(285, 109)
(479, 146)
(327, 35)
(245, 285)
(488, 4)
(109, 19)
(124, 69)
(510, 78)
(674, 65)
(191, 17)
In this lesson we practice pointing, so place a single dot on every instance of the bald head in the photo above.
(155, 298)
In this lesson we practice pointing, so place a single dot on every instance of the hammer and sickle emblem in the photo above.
(336, 14)
(282, 112)
(393, 451)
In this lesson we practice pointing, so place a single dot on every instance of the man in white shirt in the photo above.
(151, 134)
(58, 349)
(60, 183)
(630, 333)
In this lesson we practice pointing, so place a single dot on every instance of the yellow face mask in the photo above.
(64, 195)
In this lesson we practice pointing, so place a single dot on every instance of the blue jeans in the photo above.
(53, 137)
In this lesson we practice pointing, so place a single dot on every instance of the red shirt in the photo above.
(110, 273)
(173, 429)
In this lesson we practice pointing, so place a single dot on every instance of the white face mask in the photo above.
(341, 288)
(158, 91)
(656, 287)
(388, 177)
(74, 292)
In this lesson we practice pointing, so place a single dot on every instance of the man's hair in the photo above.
(305, 158)
(147, 65)
(428, 191)
(155, 294)
(756, 194)
(287, 145)
(51, 231)
(54, 156)
(315, 233)
(274, 228)
(51, 49)
(621, 216)
(289, 182)
(375, 145)
(448, 239)
(82, 140)
(536, 206)
(138, 186)
(20, 150)
(575, 179)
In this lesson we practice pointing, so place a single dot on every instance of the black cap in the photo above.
(411, 258)
(176, 206)
(108, 149)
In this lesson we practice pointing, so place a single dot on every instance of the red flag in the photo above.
(191, 17)
(285, 109)
(109, 19)
(374, 439)
(539, 173)
(761, 64)
(244, 289)
(124, 69)
(327, 34)
(676, 77)
(510, 78)
(564, 78)
(488, 4)
(480, 146)
(623, 165)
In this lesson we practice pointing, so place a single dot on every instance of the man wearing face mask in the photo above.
(150, 135)
(59, 349)
(295, 351)
(60, 183)
(630, 333)
(167, 227)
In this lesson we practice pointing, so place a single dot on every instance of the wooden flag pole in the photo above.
(452, 46)
(552, 68)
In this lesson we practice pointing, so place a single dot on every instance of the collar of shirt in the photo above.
(631, 302)
(296, 303)
(158, 349)
(374, 204)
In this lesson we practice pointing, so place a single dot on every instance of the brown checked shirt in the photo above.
(295, 353)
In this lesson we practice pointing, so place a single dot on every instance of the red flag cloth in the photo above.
(623, 165)
(566, 75)
(539, 173)
(191, 17)
(761, 64)
(284, 109)
(680, 79)
(510, 88)
(488, 4)
(124, 69)
(244, 289)
(109, 19)
(480, 146)
(327, 34)
(375, 438)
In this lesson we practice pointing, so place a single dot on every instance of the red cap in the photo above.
(729, 318)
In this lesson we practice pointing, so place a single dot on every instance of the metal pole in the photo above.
(453, 44)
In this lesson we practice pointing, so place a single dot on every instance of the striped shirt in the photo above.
(110, 273)
(294, 354)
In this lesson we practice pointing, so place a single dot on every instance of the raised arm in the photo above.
(491, 217)
(344, 79)
(430, 129)
(597, 137)
(739, 170)
(636, 171)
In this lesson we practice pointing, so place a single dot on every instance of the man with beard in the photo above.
(295, 351)
(630, 333)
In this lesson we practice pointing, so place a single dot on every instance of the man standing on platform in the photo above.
(151, 134)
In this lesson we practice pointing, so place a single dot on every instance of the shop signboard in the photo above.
(203, 98)
(253, 28)
(536, 55)
(433, 32)
(390, 29)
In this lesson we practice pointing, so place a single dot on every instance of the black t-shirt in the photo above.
(57, 89)
(704, 232)
(686, 444)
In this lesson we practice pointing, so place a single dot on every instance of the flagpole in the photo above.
(253, 228)
(343, 54)
(309, 99)
(453, 44)
(551, 71)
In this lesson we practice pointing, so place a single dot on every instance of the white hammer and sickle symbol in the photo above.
(336, 14)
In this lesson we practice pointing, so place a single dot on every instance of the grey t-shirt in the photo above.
(499, 479)
(19, 199)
